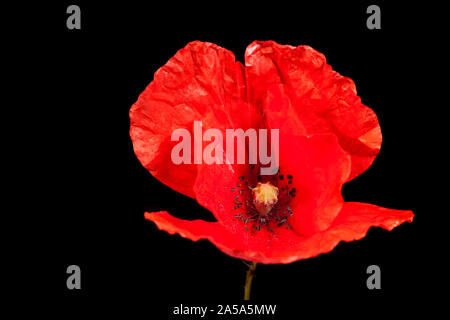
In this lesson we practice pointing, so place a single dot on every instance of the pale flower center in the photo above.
(265, 196)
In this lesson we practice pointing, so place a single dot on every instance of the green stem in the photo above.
(249, 280)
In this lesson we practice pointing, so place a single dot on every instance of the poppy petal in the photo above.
(319, 167)
(257, 247)
(193, 230)
(216, 189)
(315, 99)
(201, 82)
(285, 246)
(352, 223)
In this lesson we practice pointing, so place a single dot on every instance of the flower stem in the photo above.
(249, 280)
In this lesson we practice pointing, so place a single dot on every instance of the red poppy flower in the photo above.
(326, 138)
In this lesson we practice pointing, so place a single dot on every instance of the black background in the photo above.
(99, 190)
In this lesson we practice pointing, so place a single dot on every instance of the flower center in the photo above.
(265, 196)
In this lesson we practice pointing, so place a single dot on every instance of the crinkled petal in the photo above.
(201, 82)
(243, 245)
(285, 246)
(352, 223)
(300, 92)
(195, 230)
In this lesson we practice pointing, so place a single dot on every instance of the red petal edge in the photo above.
(201, 82)
(315, 99)
(352, 223)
